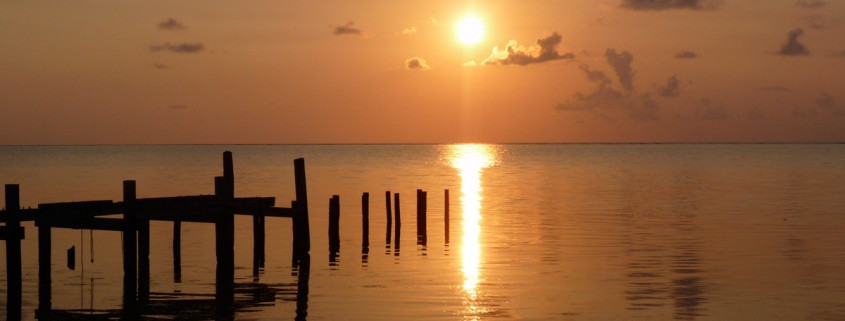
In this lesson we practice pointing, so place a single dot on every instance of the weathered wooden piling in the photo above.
(334, 224)
(389, 216)
(130, 246)
(143, 226)
(398, 221)
(177, 251)
(13, 238)
(365, 221)
(422, 232)
(44, 265)
(257, 241)
(224, 190)
(446, 213)
(301, 229)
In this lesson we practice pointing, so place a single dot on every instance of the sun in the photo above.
(470, 30)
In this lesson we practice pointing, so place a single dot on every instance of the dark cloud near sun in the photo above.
(603, 98)
(171, 24)
(621, 64)
(686, 54)
(416, 63)
(671, 89)
(348, 29)
(514, 54)
(184, 47)
(793, 46)
(657, 5)
(810, 4)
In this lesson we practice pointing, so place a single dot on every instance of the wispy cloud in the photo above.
(668, 4)
(409, 31)
(774, 88)
(171, 24)
(160, 66)
(514, 54)
(416, 63)
(810, 4)
(793, 47)
(621, 64)
(348, 29)
(184, 47)
(686, 54)
(707, 110)
(818, 22)
(826, 103)
(671, 89)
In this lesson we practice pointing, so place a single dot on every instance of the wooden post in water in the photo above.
(177, 251)
(389, 216)
(13, 253)
(398, 223)
(419, 216)
(143, 225)
(334, 224)
(224, 189)
(424, 218)
(365, 221)
(130, 247)
(44, 267)
(446, 213)
(301, 229)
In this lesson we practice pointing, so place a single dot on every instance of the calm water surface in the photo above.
(537, 232)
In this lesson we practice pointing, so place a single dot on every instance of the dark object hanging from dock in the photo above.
(71, 258)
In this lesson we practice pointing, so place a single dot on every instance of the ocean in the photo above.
(536, 231)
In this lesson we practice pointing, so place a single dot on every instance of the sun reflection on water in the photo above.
(469, 160)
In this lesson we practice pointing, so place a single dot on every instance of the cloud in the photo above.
(514, 54)
(774, 88)
(604, 97)
(826, 103)
(179, 47)
(160, 66)
(686, 54)
(708, 111)
(668, 4)
(409, 31)
(171, 24)
(810, 4)
(672, 88)
(621, 64)
(416, 63)
(793, 47)
(347, 29)
(816, 22)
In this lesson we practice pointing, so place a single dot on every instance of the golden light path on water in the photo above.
(470, 160)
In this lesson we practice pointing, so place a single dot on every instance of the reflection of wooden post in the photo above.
(302, 288)
(389, 216)
(446, 214)
(130, 263)
(177, 251)
(301, 229)
(13, 252)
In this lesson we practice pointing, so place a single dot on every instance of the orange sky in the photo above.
(114, 72)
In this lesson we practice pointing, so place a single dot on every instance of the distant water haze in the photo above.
(537, 231)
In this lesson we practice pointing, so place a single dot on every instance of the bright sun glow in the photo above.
(470, 30)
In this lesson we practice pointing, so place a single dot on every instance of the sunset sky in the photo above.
(120, 72)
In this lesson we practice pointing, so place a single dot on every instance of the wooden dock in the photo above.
(135, 216)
